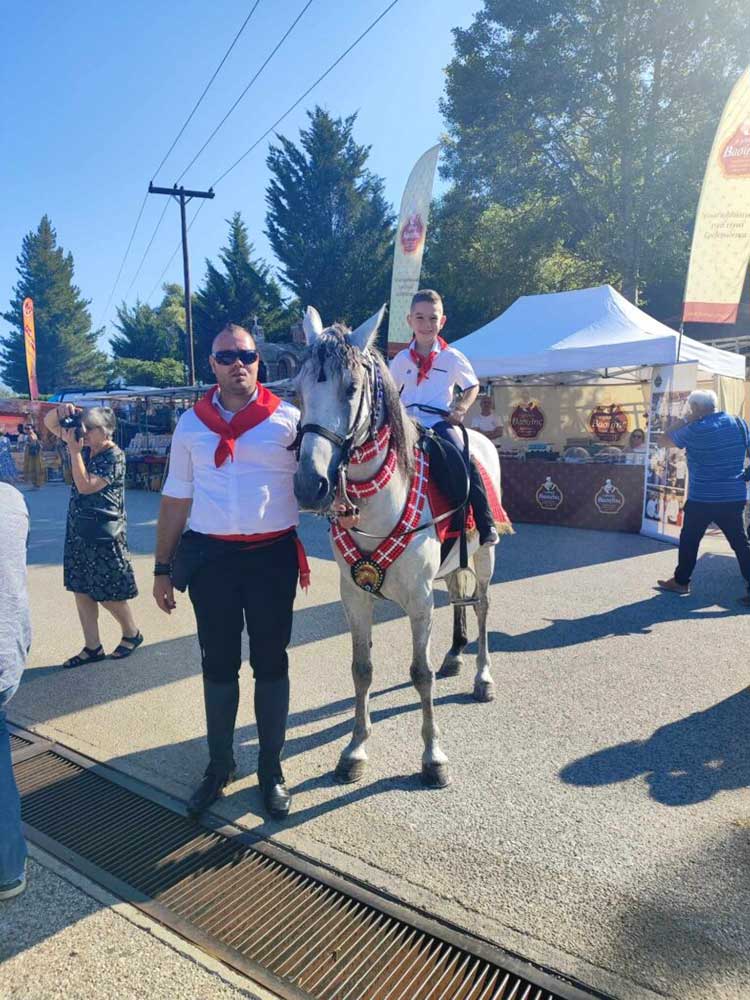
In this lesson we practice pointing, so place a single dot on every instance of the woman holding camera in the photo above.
(96, 564)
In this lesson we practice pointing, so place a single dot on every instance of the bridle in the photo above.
(359, 431)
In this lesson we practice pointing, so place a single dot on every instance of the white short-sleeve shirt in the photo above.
(450, 368)
(251, 495)
(486, 423)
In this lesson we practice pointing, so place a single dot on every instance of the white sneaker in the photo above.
(492, 539)
(10, 889)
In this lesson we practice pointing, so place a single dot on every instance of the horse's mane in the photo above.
(334, 346)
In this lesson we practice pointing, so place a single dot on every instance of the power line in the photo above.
(276, 48)
(164, 160)
(148, 247)
(122, 262)
(223, 120)
(308, 91)
(207, 87)
(276, 123)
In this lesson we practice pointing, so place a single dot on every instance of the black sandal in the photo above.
(122, 651)
(92, 656)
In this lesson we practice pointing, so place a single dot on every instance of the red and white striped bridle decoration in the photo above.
(372, 448)
(369, 487)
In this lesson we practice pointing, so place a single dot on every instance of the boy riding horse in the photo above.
(425, 374)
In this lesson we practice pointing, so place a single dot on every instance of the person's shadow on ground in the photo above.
(684, 762)
(637, 618)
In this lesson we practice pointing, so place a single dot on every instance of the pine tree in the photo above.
(150, 334)
(66, 352)
(242, 291)
(150, 348)
(328, 221)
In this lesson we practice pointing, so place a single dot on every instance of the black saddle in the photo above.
(449, 473)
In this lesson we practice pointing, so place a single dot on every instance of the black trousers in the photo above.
(698, 516)
(246, 588)
(477, 493)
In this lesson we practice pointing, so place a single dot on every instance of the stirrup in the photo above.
(462, 588)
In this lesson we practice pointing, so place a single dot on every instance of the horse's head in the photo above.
(335, 385)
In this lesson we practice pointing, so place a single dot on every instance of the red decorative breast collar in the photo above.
(245, 419)
(368, 572)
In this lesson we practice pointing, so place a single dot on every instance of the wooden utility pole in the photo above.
(183, 196)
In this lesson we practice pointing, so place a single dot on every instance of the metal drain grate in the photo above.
(18, 742)
(297, 929)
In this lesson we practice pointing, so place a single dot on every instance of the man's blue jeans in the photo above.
(12, 844)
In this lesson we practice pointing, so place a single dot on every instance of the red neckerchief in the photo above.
(424, 364)
(245, 419)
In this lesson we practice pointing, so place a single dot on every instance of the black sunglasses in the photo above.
(229, 357)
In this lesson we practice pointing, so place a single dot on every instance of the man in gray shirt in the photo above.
(15, 639)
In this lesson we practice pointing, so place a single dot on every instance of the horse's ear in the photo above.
(364, 335)
(312, 324)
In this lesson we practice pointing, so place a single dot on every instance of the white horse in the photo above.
(347, 398)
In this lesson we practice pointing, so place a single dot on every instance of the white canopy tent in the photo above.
(592, 331)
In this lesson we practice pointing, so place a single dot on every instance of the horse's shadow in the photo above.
(684, 762)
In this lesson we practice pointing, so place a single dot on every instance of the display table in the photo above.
(146, 472)
(602, 496)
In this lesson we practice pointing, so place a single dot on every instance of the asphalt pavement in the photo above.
(598, 821)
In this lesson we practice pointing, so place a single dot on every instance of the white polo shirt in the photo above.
(449, 368)
(251, 495)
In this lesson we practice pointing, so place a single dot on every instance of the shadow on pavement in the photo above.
(637, 618)
(690, 932)
(157, 664)
(685, 762)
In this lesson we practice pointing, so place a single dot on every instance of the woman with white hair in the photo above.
(716, 444)
(96, 563)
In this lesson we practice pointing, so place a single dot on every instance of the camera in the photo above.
(74, 422)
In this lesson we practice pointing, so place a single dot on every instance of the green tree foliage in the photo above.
(242, 291)
(150, 334)
(482, 257)
(166, 372)
(65, 343)
(604, 109)
(328, 221)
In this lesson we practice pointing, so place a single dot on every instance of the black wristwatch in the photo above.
(162, 569)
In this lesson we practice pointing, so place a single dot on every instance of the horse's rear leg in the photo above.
(484, 564)
(358, 606)
(434, 762)
(454, 659)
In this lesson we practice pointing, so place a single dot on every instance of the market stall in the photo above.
(146, 418)
(573, 376)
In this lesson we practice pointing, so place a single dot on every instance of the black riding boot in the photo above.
(221, 701)
(271, 710)
(480, 504)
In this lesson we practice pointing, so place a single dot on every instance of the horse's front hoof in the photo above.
(435, 775)
(484, 691)
(450, 667)
(349, 771)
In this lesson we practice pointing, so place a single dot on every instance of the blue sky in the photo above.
(93, 94)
